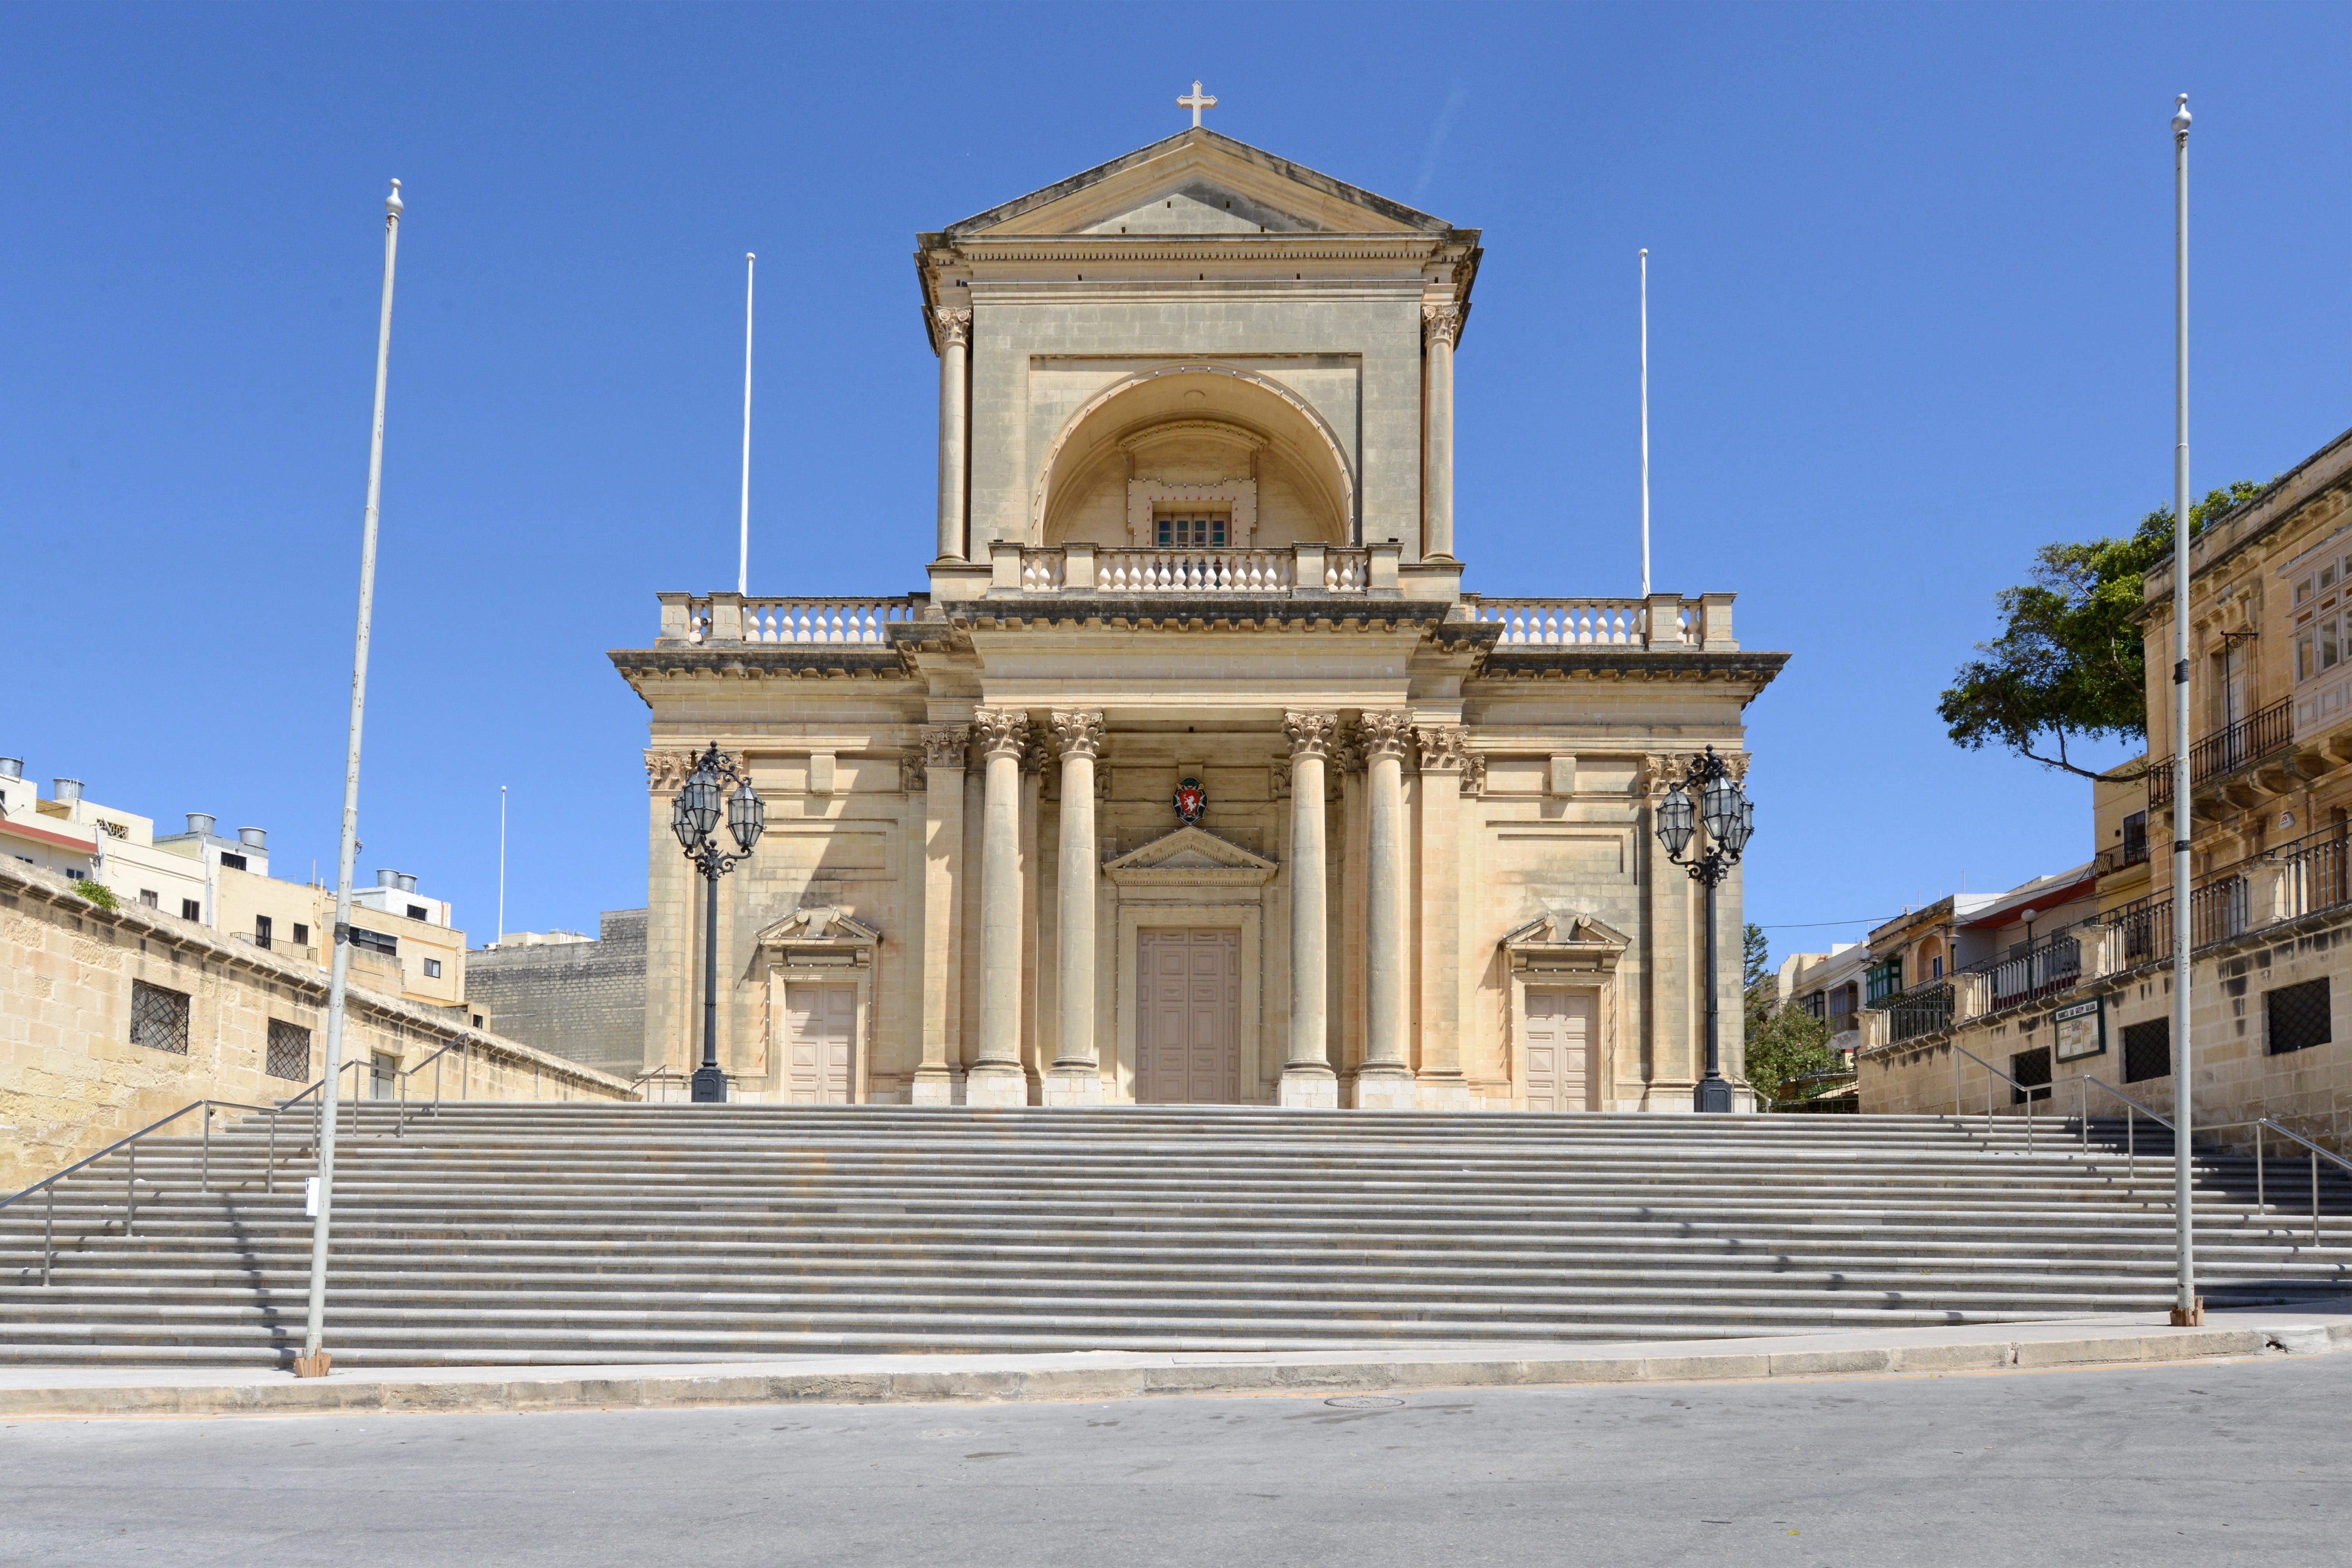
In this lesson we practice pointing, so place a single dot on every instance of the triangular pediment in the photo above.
(1189, 854)
(1567, 928)
(1197, 183)
(819, 923)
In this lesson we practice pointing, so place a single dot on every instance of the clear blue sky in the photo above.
(1910, 286)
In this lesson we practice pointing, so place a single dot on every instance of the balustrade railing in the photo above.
(860, 621)
(1560, 623)
(1215, 572)
(1922, 1010)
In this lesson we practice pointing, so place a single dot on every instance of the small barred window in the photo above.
(290, 1051)
(2148, 1050)
(2297, 1015)
(159, 1018)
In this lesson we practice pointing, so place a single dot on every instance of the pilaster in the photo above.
(1444, 775)
(1385, 1083)
(943, 874)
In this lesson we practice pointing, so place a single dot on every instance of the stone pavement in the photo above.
(2111, 1339)
(2203, 1463)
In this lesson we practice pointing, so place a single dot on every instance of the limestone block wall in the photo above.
(2238, 1077)
(72, 1081)
(583, 1001)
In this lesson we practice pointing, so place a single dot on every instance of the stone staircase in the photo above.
(497, 1234)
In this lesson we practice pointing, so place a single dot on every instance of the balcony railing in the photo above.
(2121, 856)
(1922, 1010)
(730, 618)
(2228, 749)
(2031, 971)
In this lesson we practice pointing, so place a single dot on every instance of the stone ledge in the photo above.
(2138, 1339)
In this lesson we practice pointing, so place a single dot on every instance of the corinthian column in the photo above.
(954, 333)
(1440, 325)
(1384, 1082)
(1307, 1075)
(996, 1078)
(1076, 1077)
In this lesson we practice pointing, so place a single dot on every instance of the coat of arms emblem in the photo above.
(1190, 800)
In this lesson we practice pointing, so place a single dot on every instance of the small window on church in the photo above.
(1192, 532)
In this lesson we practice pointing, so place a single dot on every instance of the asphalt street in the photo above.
(2244, 1462)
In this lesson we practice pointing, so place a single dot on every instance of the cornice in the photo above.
(1757, 670)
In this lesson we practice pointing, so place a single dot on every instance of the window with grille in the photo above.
(1194, 532)
(159, 1018)
(2148, 1050)
(290, 1051)
(2031, 1068)
(2297, 1015)
(234, 862)
(262, 930)
(419, 913)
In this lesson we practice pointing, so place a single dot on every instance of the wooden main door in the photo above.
(1189, 1047)
(1560, 1032)
(820, 1044)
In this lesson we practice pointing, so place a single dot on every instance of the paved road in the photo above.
(2207, 1464)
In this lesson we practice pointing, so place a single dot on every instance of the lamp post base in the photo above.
(1713, 1095)
(711, 1086)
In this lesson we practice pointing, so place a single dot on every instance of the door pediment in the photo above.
(1190, 856)
(1569, 941)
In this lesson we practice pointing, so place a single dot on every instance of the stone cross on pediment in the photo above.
(1197, 101)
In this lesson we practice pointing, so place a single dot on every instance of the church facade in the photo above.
(1195, 775)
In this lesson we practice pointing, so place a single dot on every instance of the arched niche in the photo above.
(1195, 438)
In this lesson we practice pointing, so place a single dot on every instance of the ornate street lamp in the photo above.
(1729, 816)
(694, 817)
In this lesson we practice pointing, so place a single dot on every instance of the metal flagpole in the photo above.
(743, 562)
(2187, 1309)
(1645, 424)
(314, 1358)
(502, 937)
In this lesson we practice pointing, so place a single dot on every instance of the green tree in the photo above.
(2068, 663)
(1783, 1043)
(98, 893)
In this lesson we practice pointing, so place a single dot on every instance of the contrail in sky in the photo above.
(1437, 138)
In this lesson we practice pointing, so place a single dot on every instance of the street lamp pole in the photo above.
(1728, 817)
(2187, 1309)
(694, 817)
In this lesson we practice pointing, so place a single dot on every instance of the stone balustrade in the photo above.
(737, 617)
(1661, 621)
(1109, 569)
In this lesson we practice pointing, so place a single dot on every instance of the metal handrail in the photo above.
(2025, 1089)
(47, 1184)
(682, 1076)
(462, 1044)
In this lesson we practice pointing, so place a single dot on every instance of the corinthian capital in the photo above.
(1000, 731)
(1384, 733)
(953, 328)
(1310, 733)
(944, 744)
(1443, 748)
(1441, 324)
(1079, 731)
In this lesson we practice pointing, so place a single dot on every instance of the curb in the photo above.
(702, 1387)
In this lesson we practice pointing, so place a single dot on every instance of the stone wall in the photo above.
(585, 1000)
(2237, 1075)
(72, 1081)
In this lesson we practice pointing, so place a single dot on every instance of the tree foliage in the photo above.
(2068, 662)
(98, 893)
(1784, 1044)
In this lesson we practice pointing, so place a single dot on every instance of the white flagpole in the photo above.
(743, 564)
(2186, 1308)
(500, 938)
(1645, 424)
(314, 1358)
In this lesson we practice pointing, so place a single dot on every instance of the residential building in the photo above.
(79, 838)
(2269, 906)
(1829, 986)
